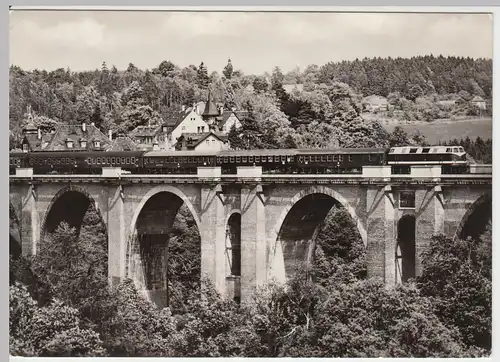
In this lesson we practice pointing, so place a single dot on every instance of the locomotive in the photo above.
(453, 159)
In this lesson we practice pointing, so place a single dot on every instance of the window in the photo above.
(69, 144)
(97, 144)
(213, 142)
(341, 158)
(231, 159)
(257, 158)
(413, 150)
(203, 128)
(250, 158)
(335, 158)
(98, 160)
(455, 149)
(329, 158)
(183, 128)
(349, 157)
(425, 150)
(370, 157)
(448, 149)
(407, 200)
(123, 160)
(164, 129)
(392, 150)
(208, 142)
(323, 158)
(25, 147)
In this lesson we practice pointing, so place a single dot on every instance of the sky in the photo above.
(255, 42)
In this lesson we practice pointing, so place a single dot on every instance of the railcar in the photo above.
(82, 162)
(271, 161)
(453, 159)
(181, 162)
(340, 160)
(16, 160)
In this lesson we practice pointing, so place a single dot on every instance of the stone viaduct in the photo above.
(277, 216)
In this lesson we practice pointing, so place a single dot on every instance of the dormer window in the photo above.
(164, 129)
(69, 143)
(83, 143)
(97, 144)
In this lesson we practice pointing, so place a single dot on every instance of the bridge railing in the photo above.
(255, 173)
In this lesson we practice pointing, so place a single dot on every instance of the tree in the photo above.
(457, 277)
(203, 79)
(166, 68)
(228, 70)
(414, 92)
(260, 85)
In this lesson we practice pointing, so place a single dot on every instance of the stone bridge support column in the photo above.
(253, 240)
(381, 234)
(213, 234)
(429, 220)
(117, 242)
(29, 221)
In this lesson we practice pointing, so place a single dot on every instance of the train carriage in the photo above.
(339, 160)
(171, 162)
(16, 160)
(452, 159)
(271, 160)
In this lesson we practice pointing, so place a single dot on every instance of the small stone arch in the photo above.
(58, 195)
(275, 245)
(481, 200)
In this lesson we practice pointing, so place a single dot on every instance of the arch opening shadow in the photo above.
(299, 230)
(405, 249)
(233, 256)
(476, 220)
(69, 207)
(165, 254)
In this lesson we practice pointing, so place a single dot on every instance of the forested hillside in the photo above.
(121, 100)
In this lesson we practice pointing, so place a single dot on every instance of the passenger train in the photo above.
(453, 159)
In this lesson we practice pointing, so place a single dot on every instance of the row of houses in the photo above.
(375, 103)
(203, 126)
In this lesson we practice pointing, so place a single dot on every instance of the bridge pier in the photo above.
(30, 221)
(213, 236)
(117, 243)
(253, 240)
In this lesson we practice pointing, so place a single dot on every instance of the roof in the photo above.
(210, 107)
(222, 119)
(123, 143)
(448, 102)
(174, 118)
(145, 131)
(30, 125)
(76, 133)
(194, 139)
(375, 99)
(477, 99)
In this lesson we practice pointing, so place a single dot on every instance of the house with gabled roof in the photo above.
(479, 102)
(207, 141)
(374, 103)
(123, 143)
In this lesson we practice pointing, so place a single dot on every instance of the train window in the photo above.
(226, 159)
(341, 158)
(370, 157)
(132, 160)
(349, 157)
(329, 158)
(127, 160)
(44, 161)
(335, 157)
(113, 160)
(122, 161)
(461, 149)
(244, 159)
(257, 158)
(425, 150)
(31, 161)
(455, 149)
(190, 160)
(231, 159)
(323, 159)
(301, 158)
(292, 159)
(276, 159)
(250, 158)
(413, 150)
(448, 149)
(18, 161)
(317, 158)
(219, 160)
(238, 159)
(98, 160)
(407, 199)
(391, 150)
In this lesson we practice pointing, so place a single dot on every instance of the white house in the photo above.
(191, 123)
(228, 119)
(208, 141)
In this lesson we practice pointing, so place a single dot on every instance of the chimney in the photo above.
(39, 133)
(110, 135)
(84, 127)
(221, 110)
(183, 108)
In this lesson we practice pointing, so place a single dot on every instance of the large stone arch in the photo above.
(276, 266)
(481, 201)
(133, 261)
(59, 195)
